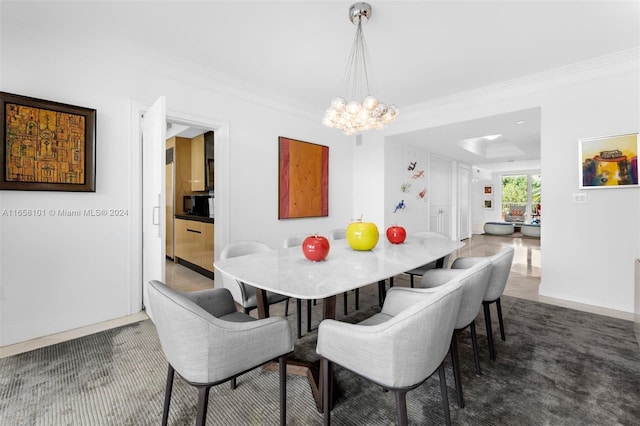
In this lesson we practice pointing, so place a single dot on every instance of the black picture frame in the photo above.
(46, 145)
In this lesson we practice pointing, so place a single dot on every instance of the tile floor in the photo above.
(524, 281)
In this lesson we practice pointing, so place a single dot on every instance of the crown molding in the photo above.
(629, 58)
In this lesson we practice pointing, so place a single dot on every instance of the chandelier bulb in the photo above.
(361, 112)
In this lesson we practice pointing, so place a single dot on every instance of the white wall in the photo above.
(587, 249)
(59, 273)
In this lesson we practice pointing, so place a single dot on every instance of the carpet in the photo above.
(557, 367)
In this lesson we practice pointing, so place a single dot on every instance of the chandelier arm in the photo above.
(358, 110)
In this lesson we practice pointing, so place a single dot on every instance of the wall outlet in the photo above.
(579, 198)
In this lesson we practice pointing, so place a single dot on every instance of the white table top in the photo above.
(288, 272)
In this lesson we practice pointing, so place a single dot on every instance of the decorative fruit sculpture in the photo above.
(362, 235)
(396, 234)
(315, 247)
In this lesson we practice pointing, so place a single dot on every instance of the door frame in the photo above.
(221, 172)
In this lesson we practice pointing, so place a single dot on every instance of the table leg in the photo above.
(262, 302)
(313, 371)
(328, 312)
(382, 292)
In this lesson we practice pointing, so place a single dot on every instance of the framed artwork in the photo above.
(46, 146)
(609, 162)
(488, 190)
(488, 204)
(303, 179)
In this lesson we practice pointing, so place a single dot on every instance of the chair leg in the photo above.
(499, 306)
(203, 401)
(401, 406)
(309, 314)
(357, 299)
(326, 405)
(299, 318)
(286, 308)
(247, 310)
(474, 343)
(233, 384)
(167, 395)
(283, 389)
(487, 321)
(344, 296)
(456, 368)
(411, 279)
(445, 395)
(382, 290)
(390, 282)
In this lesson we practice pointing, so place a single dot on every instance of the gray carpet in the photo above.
(557, 367)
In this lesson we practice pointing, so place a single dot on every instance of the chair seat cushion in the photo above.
(376, 319)
(237, 317)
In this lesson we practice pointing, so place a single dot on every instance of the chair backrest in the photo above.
(474, 283)
(500, 267)
(242, 248)
(421, 335)
(240, 291)
(517, 210)
(182, 328)
(294, 240)
(337, 234)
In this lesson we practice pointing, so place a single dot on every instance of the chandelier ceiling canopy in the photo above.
(357, 109)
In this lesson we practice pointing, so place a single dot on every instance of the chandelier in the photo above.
(357, 109)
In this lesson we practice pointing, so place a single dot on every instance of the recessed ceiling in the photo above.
(466, 141)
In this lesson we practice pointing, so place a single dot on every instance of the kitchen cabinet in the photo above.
(197, 163)
(194, 242)
(202, 167)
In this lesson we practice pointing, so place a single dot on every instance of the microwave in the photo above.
(198, 205)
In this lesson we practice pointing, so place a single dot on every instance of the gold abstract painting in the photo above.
(47, 145)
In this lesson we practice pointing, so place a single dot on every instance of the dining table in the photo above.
(288, 272)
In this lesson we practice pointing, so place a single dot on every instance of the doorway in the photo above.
(139, 251)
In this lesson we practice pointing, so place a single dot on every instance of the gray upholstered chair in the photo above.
(399, 348)
(500, 267)
(341, 234)
(474, 283)
(419, 271)
(208, 342)
(242, 293)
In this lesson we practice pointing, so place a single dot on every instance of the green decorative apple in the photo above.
(362, 235)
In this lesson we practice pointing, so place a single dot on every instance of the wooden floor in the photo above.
(524, 281)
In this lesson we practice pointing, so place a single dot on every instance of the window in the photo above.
(521, 198)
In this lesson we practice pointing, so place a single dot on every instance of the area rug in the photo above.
(557, 367)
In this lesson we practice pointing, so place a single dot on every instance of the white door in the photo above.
(464, 200)
(440, 172)
(153, 196)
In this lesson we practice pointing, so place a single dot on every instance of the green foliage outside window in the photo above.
(514, 191)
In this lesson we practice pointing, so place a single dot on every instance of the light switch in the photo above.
(579, 198)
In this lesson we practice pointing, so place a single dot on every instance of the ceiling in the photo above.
(419, 50)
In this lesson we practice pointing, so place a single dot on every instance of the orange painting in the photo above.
(304, 179)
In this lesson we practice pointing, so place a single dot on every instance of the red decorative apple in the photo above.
(315, 247)
(396, 234)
